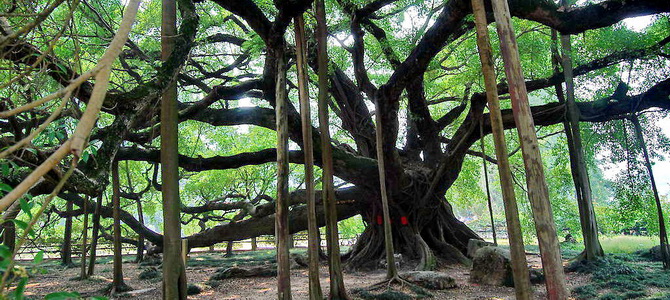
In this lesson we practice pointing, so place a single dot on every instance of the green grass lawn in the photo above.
(627, 243)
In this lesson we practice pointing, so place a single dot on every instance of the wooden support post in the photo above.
(84, 236)
(174, 275)
(538, 192)
(522, 285)
(184, 251)
(337, 289)
(308, 150)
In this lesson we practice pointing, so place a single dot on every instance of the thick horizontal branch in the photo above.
(197, 164)
(579, 19)
(347, 207)
(602, 110)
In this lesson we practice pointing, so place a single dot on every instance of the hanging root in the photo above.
(395, 288)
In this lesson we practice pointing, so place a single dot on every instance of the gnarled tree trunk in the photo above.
(423, 237)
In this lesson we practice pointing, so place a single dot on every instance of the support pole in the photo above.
(174, 273)
(522, 285)
(308, 149)
(538, 192)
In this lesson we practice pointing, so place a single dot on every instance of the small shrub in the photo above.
(588, 291)
(149, 273)
(193, 289)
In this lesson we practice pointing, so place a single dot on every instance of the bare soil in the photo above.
(56, 278)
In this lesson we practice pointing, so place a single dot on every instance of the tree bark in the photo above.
(281, 210)
(486, 183)
(308, 150)
(174, 273)
(9, 228)
(83, 274)
(140, 238)
(118, 285)
(66, 252)
(663, 235)
(580, 175)
(94, 236)
(391, 269)
(522, 287)
(229, 249)
(538, 192)
(337, 289)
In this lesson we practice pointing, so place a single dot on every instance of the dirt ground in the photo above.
(58, 278)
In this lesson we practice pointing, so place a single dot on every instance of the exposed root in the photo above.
(395, 288)
(115, 289)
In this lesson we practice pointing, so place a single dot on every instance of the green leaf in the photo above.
(4, 169)
(61, 67)
(5, 252)
(39, 257)
(5, 187)
(26, 206)
(98, 298)
(62, 296)
(24, 226)
(20, 288)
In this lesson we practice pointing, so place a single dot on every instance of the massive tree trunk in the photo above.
(424, 236)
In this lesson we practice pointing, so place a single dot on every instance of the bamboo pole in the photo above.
(538, 192)
(522, 285)
(82, 274)
(174, 273)
(308, 149)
